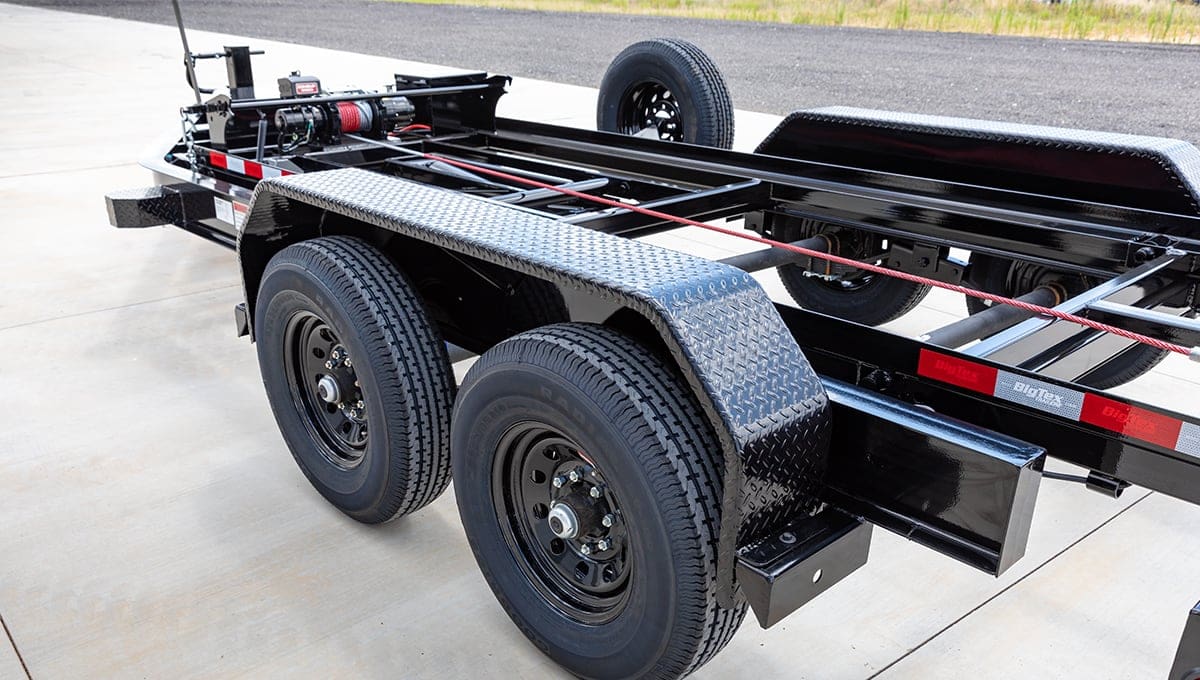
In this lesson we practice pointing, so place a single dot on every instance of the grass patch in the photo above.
(1164, 21)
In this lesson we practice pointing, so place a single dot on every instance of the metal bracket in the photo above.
(785, 571)
(1187, 658)
(925, 260)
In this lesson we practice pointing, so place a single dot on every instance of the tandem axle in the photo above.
(647, 444)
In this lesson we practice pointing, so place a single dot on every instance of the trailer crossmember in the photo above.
(644, 427)
(1193, 353)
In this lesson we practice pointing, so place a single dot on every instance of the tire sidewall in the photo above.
(288, 289)
(503, 396)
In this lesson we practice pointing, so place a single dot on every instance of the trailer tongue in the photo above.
(647, 444)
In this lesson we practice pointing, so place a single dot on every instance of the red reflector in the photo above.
(254, 170)
(1131, 420)
(217, 160)
(966, 374)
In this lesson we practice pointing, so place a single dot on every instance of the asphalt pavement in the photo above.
(1122, 87)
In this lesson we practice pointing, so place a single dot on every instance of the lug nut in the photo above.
(574, 475)
(595, 492)
(335, 354)
(586, 549)
(359, 404)
(608, 520)
(559, 481)
(604, 544)
(346, 363)
(353, 413)
(330, 364)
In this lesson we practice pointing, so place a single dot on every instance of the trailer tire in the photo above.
(358, 378)
(670, 86)
(869, 299)
(992, 275)
(586, 398)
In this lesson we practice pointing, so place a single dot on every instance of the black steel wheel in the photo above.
(1012, 278)
(357, 377)
(589, 485)
(667, 89)
(561, 514)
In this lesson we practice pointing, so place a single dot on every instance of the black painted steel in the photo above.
(533, 474)
(775, 257)
(911, 454)
(757, 389)
(784, 571)
(965, 491)
(1187, 658)
(1150, 173)
(314, 357)
(990, 321)
(157, 205)
(888, 363)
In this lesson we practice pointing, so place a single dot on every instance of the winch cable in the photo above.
(1193, 353)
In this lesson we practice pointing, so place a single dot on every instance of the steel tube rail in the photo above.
(990, 321)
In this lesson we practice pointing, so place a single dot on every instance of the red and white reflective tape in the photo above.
(1082, 407)
(244, 167)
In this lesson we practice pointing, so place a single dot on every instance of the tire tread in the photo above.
(677, 450)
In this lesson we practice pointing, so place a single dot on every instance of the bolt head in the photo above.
(608, 520)
(360, 403)
(558, 482)
(585, 549)
(604, 544)
(346, 363)
(573, 475)
(595, 492)
(335, 354)
(329, 364)
(353, 413)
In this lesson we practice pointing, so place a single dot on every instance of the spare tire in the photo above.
(666, 89)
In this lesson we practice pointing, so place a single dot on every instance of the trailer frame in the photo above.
(827, 427)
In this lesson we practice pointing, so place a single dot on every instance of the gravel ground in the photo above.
(1125, 87)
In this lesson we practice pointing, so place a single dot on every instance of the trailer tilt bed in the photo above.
(647, 445)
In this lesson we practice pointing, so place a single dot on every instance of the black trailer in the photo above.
(647, 445)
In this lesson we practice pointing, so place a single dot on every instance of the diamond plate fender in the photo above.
(762, 397)
(1149, 173)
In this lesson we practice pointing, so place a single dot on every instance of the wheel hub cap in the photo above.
(563, 521)
(328, 390)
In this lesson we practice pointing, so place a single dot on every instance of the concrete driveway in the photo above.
(154, 525)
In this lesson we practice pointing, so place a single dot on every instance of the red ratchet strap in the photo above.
(1193, 353)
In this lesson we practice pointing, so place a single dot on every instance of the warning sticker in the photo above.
(239, 214)
(224, 210)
